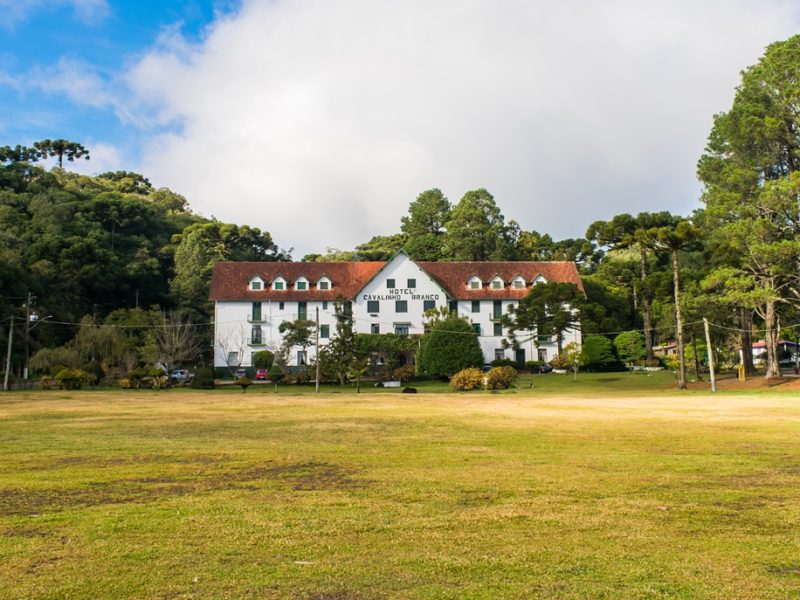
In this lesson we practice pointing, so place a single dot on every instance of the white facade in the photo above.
(392, 301)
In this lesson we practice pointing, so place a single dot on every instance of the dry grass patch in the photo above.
(205, 495)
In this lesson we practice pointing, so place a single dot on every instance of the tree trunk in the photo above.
(696, 358)
(681, 385)
(771, 341)
(559, 342)
(747, 341)
(645, 302)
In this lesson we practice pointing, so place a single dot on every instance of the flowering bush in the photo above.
(467, 379)
(501, 378)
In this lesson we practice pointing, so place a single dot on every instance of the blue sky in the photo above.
(321, 120)
(106, 37)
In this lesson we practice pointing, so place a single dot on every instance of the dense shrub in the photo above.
(263, 359)
(449, 347)
(73, 379)
(203, 379)
(404, 374)
(630, 346)
(94, 369)
(501, 378)
(504, 362)
(600, 354)
(467, 379)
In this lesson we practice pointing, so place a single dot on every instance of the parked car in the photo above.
(545, 368)
(261, 374)
(240, 373)
(180, 376)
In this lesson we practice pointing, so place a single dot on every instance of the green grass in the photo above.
(531, 493)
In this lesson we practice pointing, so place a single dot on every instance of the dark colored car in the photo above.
(261, 374)
(545, 368)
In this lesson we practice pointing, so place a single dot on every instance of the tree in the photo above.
(477, 230)
(678, 235)
(424, 226)
(380, 247)
(549, 308)
(630, 346)
(622, 232)
(177, 339)
(200, 245)
(18, 154)
(598, 350)
(575, 357)
(61, 149)
(450, 345)
(298, 333)
(343, 351)
(749, 165)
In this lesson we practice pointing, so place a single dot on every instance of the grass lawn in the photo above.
(577, 493)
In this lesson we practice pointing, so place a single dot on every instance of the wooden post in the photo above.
(8, 355)
(710, 352)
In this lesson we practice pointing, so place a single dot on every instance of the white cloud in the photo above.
(13, 12)
(320, 121)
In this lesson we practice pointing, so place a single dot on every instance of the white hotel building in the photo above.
(252, 299)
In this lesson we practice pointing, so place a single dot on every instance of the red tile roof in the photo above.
(229, 280)
(453, 276)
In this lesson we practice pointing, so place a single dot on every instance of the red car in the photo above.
(261, 374)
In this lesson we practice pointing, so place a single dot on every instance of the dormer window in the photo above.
(324, 284)
(496, 283)
(475, 283)
(518, 283)
(256, 284)
(539, 279)
(279, 284)
(301, 284)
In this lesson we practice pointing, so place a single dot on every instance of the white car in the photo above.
(180, 376)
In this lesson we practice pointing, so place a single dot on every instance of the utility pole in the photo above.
(710, 352)
(8, 355)
(317, 352)
(31, 300)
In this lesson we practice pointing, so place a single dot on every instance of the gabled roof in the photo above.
(452, 276)
(229, 280)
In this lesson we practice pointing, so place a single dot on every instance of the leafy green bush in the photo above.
(94, 368)
(73, 379)
(203, 379)
(263, 359)
(503, 362)
(467, 379)
(501, 378)
(600, 354)
(450, 346)
(630, 346)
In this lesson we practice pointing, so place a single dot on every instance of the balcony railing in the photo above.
(494, 317)
(256, 342)
(255, 319)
